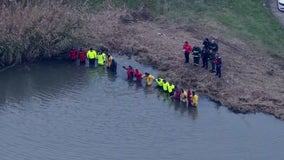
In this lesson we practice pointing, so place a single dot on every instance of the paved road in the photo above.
(272, 4)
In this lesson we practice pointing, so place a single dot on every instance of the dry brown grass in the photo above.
(32, 30)
(247, 83)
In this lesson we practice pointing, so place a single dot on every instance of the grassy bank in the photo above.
(248, 20)
(34, 29)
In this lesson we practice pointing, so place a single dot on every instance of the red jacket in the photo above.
(189, 95)
(218, 61)
(187, 48)
(129, 72)
(82, 55)
(138, 75)
(73, 54)
(177, 94)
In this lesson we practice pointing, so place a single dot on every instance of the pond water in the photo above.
(63, 111)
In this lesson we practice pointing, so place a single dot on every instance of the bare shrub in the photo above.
(37, 29)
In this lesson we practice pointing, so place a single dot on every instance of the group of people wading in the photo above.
(94, 57)
(209, 52)
(187, 97)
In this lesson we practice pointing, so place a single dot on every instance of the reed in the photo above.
(38, 29)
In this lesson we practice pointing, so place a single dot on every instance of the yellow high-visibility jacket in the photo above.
(149, 79)
(171, 88)
(100, 60)
(91, 54)
(104, 57)
(194, 100)
(159, 82)
(165, 86)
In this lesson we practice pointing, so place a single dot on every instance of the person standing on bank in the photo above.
(218, 63)
(196, 52)
(214, 46)
(214, 52)
(205, 56)
(186, 49)
(206, 43)
(212, 58)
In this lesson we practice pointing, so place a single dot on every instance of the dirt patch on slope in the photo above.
(251, 82)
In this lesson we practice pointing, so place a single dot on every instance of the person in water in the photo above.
(91, 55)
(189, 97)
(129, 71)
(82, 56)
(194, 102)
(183, 96)
(101, 58)
(171, 88)
(165, 86)
(109, 60)
(113, 66)
(159, 82)
(149, 78)
(138, 75)
(73, 54)
(177, 93)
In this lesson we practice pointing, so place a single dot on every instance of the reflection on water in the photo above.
(66, 111)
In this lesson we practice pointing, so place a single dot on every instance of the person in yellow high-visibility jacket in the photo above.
(101, 59)
(91, 55)
(171, 88)
(104, 56)
(194, 102)
(165, 86)
(149, 78)
(159, 82)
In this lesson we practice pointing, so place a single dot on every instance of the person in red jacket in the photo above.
(189, 98)
(82, 56)
(129, 71)
(218, 63)
(73, 53)
(138, 75)
(187, 49)
(177, 93)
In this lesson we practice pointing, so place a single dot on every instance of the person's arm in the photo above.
(88, 54)
(124, 67)
(183, 48)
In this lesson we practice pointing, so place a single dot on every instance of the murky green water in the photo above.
(62, 111)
